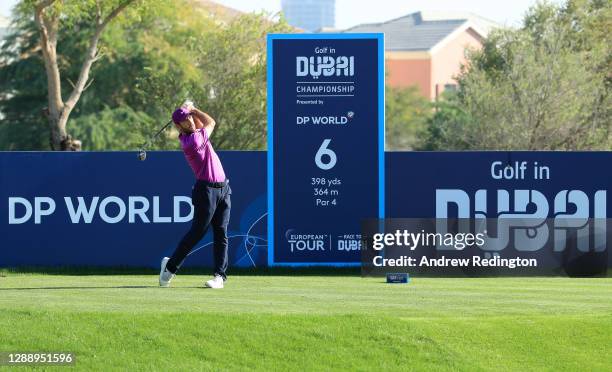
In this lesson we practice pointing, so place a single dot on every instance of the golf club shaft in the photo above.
(162, 129)
(144, 147)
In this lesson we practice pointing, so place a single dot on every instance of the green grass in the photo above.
(124, 322)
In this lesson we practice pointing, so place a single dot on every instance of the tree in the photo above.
(23, 125)
(223, 69)
(449, 128)
(112, 129)
(406, 113)
(541, 87)
(22, 91)
(47, 15)
(152, 61)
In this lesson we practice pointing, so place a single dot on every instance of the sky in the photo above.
(352, 12)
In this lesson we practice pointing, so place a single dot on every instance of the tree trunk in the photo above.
(59, 111)
(48, 43)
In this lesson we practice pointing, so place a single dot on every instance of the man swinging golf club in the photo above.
(210, 195)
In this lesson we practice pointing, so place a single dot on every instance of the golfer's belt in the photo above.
(217, 185)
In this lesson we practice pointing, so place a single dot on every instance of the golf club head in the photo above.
(142, 155)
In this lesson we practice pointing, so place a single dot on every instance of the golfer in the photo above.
(210, 195)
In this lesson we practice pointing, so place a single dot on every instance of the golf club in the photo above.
(142, 154)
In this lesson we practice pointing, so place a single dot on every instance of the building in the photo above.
(428, 49)
(310, 15)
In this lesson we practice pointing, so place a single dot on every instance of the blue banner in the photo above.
(535, 184)
(110, 209)
(326, 145)
(548, 207)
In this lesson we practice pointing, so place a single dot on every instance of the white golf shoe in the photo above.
(165, 276)
(216, 282)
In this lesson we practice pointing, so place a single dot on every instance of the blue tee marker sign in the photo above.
(325, 145)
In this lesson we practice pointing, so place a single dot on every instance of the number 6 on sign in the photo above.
(323, 150)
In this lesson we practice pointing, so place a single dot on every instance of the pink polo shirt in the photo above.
(201, 156)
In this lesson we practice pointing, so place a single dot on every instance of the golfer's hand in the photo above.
(189, 106)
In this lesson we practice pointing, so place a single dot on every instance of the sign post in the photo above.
(325, 145)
